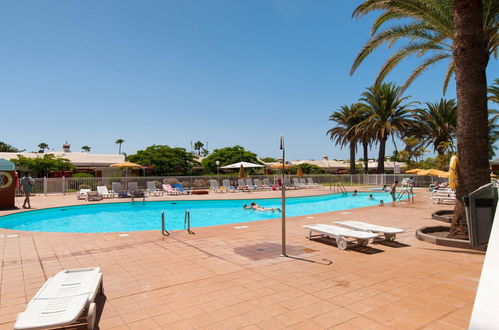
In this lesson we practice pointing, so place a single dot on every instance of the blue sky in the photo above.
(170, 72)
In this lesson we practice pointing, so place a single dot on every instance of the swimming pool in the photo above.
(123, 217)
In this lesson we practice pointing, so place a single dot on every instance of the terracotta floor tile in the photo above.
(225, 278)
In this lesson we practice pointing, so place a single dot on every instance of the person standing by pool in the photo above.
(27, 183)
(393, 190)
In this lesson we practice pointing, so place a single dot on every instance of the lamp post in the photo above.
(283, 201)
(218, 168)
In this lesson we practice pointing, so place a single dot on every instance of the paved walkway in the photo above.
(227, 278)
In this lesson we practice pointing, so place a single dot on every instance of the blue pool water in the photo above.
(119, 217)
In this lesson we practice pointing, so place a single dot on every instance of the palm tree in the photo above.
(86, 148)
(198, 146)
(387, 115)
(425, 29)
(43, 146)
(344, 133)
(365, 137)
(471, 52)
(465, 32)
(119, 142)
(438, 122)
(493, 90)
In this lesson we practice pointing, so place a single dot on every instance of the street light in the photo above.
(283, 201)
(218, 168)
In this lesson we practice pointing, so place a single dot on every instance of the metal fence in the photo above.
(72, 185)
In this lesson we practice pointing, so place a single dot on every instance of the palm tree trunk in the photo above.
(366, 160)
(119, 150)
(381, 156)
(470, 57)
(352, 157)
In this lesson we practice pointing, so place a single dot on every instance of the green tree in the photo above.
(119, 142)
(421, 28)
(268, 160)
(42, 165)
(388, 115)
(344, 133)
(307, 168)
(5, 147)
(43, 146)
(86, 148)
(165, 160)
(438, 121)
(228, 155)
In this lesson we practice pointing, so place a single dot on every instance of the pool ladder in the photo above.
(143, 199)
(408, 192)
(187, 223)
(339, 187)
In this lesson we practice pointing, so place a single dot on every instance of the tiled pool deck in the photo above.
(227, 278)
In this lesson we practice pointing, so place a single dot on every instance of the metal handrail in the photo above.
(163, 225)
(187, 221)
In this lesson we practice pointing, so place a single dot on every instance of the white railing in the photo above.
(484, 314)
(72, 185)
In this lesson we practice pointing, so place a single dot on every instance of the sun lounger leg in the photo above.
(341, 242)
(362, 242)
(390, 237)
(309, 234)
(91, 317)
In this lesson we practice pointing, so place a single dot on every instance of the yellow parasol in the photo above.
(453, 172)
(299, 172)
(413, 171)
(127, 165)
(242, 172)
(433, 172)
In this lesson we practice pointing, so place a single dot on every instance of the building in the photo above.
(95, 164)
(343, 167)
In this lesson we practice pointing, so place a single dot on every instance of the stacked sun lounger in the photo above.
(362, 233)
(444, 196)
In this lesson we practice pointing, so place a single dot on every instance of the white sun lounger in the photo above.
(62, 301)
(341, 234)
(102, 190)
(389, 233)
(82, 194)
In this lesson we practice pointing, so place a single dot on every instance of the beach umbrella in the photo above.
(126, 166)
(453, 172)
(299, 173)
(242, 172)
(413, 171)
(244, 164)
(433, 172)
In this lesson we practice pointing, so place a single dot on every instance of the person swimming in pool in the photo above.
(371, 196)
(354, 193)
(258, 207)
